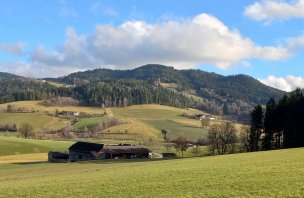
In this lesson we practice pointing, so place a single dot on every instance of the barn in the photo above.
(84, 151)
(57, 157)
(123, 152)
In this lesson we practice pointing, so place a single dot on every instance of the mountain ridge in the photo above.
(191, 79)
(233, 95)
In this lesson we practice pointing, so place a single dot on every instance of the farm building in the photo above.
(57, 157)
(84, 151)
(91, 151)
(69, 113)
(124, 152)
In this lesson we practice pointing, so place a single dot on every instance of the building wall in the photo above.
(79, 156)
(57, 157)
(109, 155)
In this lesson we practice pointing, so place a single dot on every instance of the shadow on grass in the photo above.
(30, 163)
(110, 161)
(122, 161)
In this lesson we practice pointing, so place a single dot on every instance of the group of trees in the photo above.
(122, 93)
(61, 101)
(8, 127)
(101, 93)
(18, 89)
(280, 126)
(222, 138)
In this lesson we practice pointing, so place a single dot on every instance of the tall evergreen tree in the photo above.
(256, 127)
(293, 114)
(269, 124)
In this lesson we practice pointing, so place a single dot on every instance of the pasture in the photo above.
(276, 173)
(89, 121)
(14, 146)
(39, 121)
(145, 122)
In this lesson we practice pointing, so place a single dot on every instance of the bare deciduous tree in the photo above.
(181, 144)
(245, 138)
(26, 130)
(222, 138)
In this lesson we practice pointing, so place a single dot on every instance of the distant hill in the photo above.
(229, 95)
(223, 95)
(235, 87)
(4, 75)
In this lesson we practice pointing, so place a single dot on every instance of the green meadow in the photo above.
(177, 129)
(13, 146)
(276, 173)
(89, 121)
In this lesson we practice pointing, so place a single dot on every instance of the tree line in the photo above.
(280, 125)
(107, 93)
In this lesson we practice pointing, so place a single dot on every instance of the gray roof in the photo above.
(86, 147)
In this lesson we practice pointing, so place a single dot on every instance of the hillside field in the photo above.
(144, 121)
(37, 120)
(276, 173)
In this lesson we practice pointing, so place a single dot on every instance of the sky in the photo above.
(260, 38)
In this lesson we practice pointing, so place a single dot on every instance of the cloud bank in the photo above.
(269, 10)
(288, 83)
(203, 39)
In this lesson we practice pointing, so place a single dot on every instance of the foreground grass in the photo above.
(264, 174)
(14, 146)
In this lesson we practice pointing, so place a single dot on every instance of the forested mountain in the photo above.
(228, 95)
(18, 89)
(204, 83)
(222, 95)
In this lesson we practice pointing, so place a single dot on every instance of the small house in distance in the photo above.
(84, 151)
(69, 113)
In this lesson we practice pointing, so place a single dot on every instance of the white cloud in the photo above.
(288, 83)
(15, 49)
(269, 10)
(37, 69)
(187, 43)
(181, 43)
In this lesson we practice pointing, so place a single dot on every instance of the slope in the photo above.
(263, 174)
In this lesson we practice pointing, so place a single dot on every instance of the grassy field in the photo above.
(36, 105)
(86, 122)
(277, 173)
(176, 129)
(13, 145)
(145, 121)
(37, 120)
(160, 117)
(24, 158)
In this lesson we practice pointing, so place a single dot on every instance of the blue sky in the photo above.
(261, 38)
